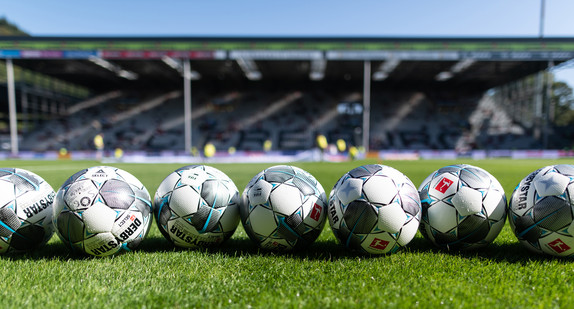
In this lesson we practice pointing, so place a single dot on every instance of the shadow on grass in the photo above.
(330, 250)
(325, 250)
(57, 250)
(319, 250)
(50, 251)
(244, 247)
(514, 253)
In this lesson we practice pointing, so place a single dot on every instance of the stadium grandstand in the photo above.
(389, 96)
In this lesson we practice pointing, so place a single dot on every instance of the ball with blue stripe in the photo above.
(102, 211)
(26, 201)
(464, 207)
(283, 208)
(197, 206)
(541, 210)
(374, 209)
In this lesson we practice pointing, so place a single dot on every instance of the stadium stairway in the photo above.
(93, 102)
(77, 132)
(493, 128)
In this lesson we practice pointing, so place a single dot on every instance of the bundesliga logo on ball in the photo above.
(541, 210)
(374, 209)
(283, 208)
(464, 207)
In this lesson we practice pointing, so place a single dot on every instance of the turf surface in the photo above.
(238, 274)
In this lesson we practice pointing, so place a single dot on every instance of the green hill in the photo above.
(9, 29)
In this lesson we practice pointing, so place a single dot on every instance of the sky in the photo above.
(329, 18)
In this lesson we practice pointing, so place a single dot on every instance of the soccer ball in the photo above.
(282, 208)
(464, 207)
(102, 210)
(374, 209)
(540, 210)
(25, 210)
(197, 206)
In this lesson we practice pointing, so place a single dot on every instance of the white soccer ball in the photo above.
(283, 208)
(464, 207)
(540, 211)
(374, 209)
(25, 210)
(102, 210)
(197, 206)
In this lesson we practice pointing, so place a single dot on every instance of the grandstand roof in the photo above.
(475, 64)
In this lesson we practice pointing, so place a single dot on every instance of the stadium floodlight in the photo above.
(194, 75)
(102, 62)
(119, 71)
(177, 65)
(385, 69)
(173, 63)
(442, 76)
(380, 75)
(317, 69)
(462, 65)
(249, 68)
(127, 74)
(455, 69)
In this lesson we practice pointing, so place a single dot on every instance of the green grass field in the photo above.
(157, 275)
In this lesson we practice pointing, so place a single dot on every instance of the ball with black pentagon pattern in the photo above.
(197, 206)
(541, 210)
(25, 210)
(283, 208)
(374, 209)
(464, 207)
(102, 211)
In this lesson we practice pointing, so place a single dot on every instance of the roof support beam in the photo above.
(12, 108)
(366, 105)
(318, 67)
